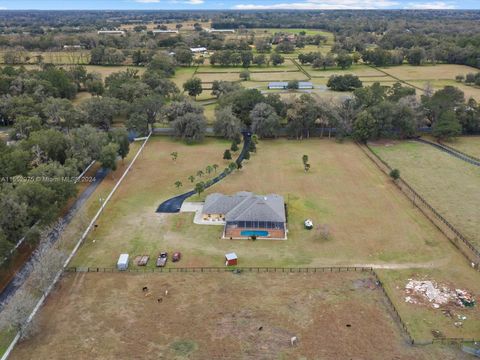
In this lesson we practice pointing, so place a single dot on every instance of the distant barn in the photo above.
(282, 85)
(111, 32)
(168, 31)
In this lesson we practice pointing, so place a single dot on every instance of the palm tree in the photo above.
(191, 178)
(215, 167)
(199, 187)
(174, 155)
(209, 169)
(200, 173)
(178, 184)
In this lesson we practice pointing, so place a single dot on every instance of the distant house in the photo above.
(302, 85)
(247, 215)
(198, 50)
(168, 31)
(111, 32)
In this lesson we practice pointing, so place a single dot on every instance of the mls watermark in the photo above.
(48, 179)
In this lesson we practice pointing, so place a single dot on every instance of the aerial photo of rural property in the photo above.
(195, 180)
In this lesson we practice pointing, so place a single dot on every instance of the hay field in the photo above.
(470, 91)
(278, 76)
(106, 316)
(428, 72)
(449, 184)
(359, 70)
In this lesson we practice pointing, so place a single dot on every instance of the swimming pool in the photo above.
(254, 233)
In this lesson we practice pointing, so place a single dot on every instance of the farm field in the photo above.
(359, 70)
(468, 144)
(254, 317)
(109, 70)
(428, 72)
(56, 57)
(369, 220)
(288, 65)
(182, 75)
(470, 91)
(449, 184)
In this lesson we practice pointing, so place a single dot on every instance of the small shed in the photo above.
(122, 263)
(231, 259)
(308, 224)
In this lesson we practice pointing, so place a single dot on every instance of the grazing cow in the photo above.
(159, 300)
(260, 328)
(145, 288)
(166, 292)
(293, 341)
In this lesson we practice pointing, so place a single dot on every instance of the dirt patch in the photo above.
(219, 316)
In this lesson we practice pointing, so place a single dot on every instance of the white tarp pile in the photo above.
(421, 291)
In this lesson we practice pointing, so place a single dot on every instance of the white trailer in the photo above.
(122, 263)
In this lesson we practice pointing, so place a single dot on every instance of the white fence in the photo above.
(74, 251)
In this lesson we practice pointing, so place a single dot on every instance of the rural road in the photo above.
(20, 277)
(174, 204)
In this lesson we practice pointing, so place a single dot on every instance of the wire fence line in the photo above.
(265, 269)
(219, 269)
(471, 253)
(451, 151)
(458, 151)
(80, 241)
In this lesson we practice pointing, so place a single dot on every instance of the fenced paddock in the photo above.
(262, 310)
(460, 241)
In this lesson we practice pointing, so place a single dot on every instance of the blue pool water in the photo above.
(254, 233)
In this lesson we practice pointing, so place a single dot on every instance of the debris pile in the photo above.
(429, 292)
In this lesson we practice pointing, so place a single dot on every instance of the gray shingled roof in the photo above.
(245, 206)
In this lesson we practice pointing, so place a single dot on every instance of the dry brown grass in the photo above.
(275, 76)
(212, 77)
(370, 220)
(428, 72)
(468, 144)
(218, 316)
(359, 70)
